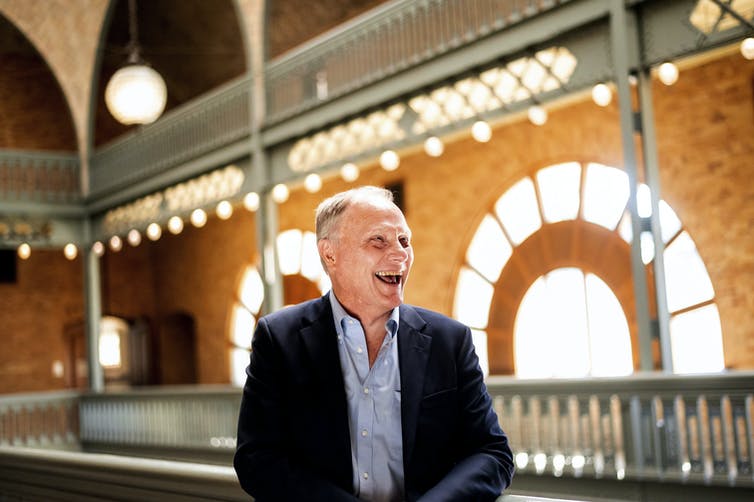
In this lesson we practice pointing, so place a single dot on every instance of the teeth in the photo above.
(389, 274)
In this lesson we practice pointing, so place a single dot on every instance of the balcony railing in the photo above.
(394, 37)
(658, 428)
(39, 177)
(199, 127)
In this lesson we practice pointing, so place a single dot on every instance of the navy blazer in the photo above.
(293, 435)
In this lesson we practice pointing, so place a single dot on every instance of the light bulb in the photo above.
(98, 248)
(537, 115)
(349, 172)
(70, 251)
(280, 193)
(434, 146)
(175, 225)
(154, 231)
(116, 244)
(668, 73)
(481, 131)
(312, 183)
(224, 210)
(24, 251)
(251, 201)
(198, 218)
(134, 237)
(136, 94)
(389, 160)
(747, 48)
(602, 95)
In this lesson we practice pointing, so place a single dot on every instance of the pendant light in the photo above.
(136, 93)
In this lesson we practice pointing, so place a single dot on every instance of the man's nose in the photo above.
(398, 252)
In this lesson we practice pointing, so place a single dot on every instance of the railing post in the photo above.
(93, 311)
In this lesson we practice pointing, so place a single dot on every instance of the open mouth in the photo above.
(389, 277)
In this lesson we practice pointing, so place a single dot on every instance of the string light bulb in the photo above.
(24, 251)
(668, 73)
(224, 210)
(116, 244)
(349, 172)
(537, 115)
(481, 131)
(98, 248)
(602, 95)
(175, 225)
(70, 251)
(251, 201)
(747, 48)
(433, 146)
(389, 160)
(134, 237)
(313, 183)
(198, 218)
(154, 231)
(280, 193)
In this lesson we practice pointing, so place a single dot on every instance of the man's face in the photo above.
(370, 257)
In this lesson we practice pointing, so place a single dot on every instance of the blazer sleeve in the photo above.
(261, 461)
(486, 467)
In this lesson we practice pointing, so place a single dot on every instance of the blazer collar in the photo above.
(413, 353)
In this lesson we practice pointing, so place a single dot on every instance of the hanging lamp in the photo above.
(136, 93)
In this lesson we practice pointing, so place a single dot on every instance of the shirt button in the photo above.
(364, 433)
(359, 350)
(366, 475)
(366, 390)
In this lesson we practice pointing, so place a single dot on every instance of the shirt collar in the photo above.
(339, 313)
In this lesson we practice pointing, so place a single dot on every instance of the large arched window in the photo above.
(303, 279)
(563, 232)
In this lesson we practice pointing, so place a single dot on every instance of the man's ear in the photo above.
(326, 251)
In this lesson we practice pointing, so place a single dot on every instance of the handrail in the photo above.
(26, 471)
(39, 176)
(42, 419)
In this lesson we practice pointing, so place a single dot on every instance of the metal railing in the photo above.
(39, 177)
(201, 126)
(391, 38)
(667, 428)
(40, 420)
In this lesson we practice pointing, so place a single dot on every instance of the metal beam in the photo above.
(624, 59)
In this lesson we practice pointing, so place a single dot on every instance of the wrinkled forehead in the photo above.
(371, 214)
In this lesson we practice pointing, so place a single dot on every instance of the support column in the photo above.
(621, 48)
(93, 310)
(652, 174)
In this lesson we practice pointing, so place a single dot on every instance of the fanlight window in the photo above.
(596, 194)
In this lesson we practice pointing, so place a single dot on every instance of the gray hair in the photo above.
(331, 209)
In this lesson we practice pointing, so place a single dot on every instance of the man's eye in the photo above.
(404, 242)
(378, 240)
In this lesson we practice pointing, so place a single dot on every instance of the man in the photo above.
(356, 396)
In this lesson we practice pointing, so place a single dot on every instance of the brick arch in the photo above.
(573, 243)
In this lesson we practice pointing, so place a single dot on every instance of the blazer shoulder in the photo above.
(298, 316)
(434, 320)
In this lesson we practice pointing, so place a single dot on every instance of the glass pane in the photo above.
(243, 327)
(559, 190)
(518, 211)
(555, 344)
(480, 347)
(489, 250)
(697, 341)
(324, 283)
(289, 251)
(687, 281)
(252, 290)
(605, 195)
(109, 350)
(472, 300)
(239, 360)
(609, 336)
(647, 247)
(669, 222)
(644, 201)
(311, 266)
(624, 227)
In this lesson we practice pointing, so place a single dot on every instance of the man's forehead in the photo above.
(368, 213)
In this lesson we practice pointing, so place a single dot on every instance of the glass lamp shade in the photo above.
(136, 95)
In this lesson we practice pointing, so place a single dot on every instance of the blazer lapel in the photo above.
(413, 353)
(321, 343)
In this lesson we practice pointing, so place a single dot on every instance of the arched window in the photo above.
(303, 279)
(563, 236)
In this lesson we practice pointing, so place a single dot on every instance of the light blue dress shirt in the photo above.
(374, 407)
